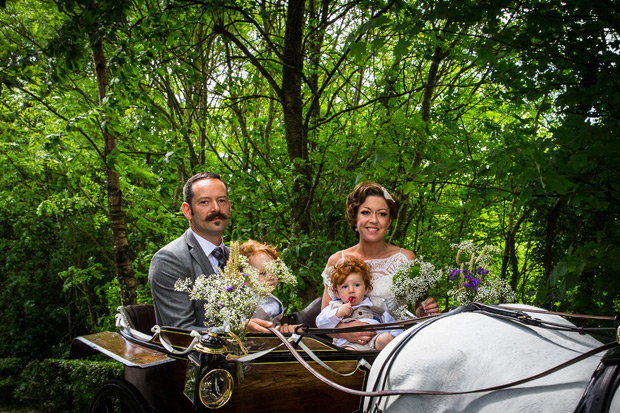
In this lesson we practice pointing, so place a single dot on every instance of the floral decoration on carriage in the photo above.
(232, 298)
(230, 301)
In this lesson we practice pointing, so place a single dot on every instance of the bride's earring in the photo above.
(357, 230)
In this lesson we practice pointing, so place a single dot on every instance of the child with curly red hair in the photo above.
(351, 282)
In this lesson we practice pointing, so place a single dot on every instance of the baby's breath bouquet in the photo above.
(411, 283)
(232, 296)
(474, 283)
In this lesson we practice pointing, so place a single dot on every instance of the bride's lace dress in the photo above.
(382, 270)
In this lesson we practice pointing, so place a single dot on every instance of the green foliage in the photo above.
(512, 141)
(70, 385)
(10, 369)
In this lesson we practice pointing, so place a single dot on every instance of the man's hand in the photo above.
(256, 325)
(286, 328)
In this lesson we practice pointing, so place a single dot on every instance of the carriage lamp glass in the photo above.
(216, 388)
(191, 377)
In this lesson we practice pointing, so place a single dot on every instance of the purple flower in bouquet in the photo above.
(473, 281)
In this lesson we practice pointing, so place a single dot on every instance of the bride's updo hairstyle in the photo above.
(359, 194)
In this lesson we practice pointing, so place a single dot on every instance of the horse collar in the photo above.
(602, 386)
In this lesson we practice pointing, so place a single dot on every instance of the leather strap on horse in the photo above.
(520, 315)
(382, 393)
(509, 312)
(404, 324)
(590, 317)
(601, 389)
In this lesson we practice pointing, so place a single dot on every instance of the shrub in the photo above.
(64, 385)
(10, 368)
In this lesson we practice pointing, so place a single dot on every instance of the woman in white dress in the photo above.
(370, 210)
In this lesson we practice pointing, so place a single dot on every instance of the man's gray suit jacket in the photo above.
(180, 259)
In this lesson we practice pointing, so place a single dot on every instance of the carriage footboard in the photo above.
(118, 348)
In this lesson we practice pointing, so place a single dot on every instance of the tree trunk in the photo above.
(510, 251)
(552, 221)
(122, 256)
(429, 90)
(296, 134)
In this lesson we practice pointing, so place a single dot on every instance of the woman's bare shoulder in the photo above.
(333, 260)
(409, 254)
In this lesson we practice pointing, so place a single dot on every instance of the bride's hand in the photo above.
(360, 337)
(428, 307)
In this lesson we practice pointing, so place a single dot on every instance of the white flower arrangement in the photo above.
(232, 297)
(411, 283)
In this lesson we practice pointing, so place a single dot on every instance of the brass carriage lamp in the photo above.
(210, 343)
(207, 376)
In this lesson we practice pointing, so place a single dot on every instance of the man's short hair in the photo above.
(188, 191)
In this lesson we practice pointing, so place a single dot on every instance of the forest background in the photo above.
(494, 121)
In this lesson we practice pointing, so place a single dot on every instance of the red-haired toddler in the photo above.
(351, 282)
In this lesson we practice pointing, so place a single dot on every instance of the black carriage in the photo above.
(177, 370)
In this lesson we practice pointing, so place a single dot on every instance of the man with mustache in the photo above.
(200, 250)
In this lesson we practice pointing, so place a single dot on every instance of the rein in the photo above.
(405, 324)
(586, 316)
(507, 312)
(513, 314)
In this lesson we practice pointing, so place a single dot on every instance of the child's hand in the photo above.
(344, 311)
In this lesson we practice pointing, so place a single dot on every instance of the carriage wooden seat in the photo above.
(307, 315)
(141, 317)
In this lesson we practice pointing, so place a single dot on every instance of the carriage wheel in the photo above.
(117, 395)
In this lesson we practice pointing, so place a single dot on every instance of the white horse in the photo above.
(469, 351)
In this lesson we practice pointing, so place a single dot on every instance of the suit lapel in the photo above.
(197, 253)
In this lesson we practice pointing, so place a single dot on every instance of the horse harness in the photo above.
(600, 391)
(596, 398)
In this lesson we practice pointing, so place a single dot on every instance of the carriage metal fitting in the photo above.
(302, 329)
(215, 388)
(295, 339)
(210, 343)
(207, 378)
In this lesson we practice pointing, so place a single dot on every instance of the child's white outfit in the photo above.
(372, 310)
(270, 309)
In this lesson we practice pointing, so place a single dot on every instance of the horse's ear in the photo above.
(617, 322)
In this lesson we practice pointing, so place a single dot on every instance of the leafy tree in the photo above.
(490, 120)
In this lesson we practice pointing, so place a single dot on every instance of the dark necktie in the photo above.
(218, 254)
